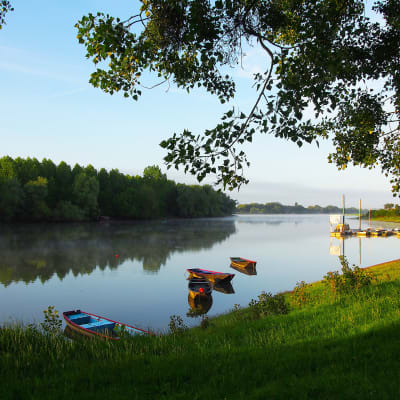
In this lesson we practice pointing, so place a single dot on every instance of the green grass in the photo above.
(346, 347)
(391, 218)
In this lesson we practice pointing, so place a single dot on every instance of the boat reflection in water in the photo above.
(224, 287)
(199, 287)
(199, 304)
(248, 270)
(199, 297)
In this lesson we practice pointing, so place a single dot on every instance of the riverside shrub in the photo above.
(267, 304)
(300, 296)
(351, 279)
(176, 325)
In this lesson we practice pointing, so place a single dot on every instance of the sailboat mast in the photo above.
(343, 209)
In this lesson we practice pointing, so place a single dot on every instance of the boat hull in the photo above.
(249, 270)
(239, 262)
(88, 333)
(212, 276)
(94, 326)
(199, 287)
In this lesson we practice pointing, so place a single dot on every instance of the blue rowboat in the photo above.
(92, 325)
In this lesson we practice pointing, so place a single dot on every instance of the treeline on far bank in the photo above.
(390, 212)
(31, 190)
(278, 208)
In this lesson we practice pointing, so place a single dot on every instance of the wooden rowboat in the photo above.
(240, 262)
(250, 270)
(92, 325)
(212, 276)
(199, 287)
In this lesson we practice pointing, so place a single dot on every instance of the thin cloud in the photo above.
(68, 93)
(18, 68)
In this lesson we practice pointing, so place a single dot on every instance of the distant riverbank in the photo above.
(386, 215)
(278, 208)
(387, 219)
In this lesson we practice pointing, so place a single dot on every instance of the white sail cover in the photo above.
(335, 219)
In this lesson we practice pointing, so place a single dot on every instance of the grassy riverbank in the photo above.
(385, 215)
(328, 346)
(392, 218)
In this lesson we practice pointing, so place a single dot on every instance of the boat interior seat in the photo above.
(80, 318)
(99, 325)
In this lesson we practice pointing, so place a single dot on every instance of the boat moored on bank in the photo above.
(92, 325)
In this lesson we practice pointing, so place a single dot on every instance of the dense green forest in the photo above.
(278, 208)
(31, 190)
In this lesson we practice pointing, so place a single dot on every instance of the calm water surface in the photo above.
(135, 272)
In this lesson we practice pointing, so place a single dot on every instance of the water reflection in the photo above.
(29, 252)
(199, 297)
(339, 246)
(275, 219)
(198, 286)
(199, 305)
(223, 287)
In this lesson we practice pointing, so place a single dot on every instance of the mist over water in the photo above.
(136, 272)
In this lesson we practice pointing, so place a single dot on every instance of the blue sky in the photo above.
(49, 110)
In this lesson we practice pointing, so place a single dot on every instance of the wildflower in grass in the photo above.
(300, 296)
(52, 321)
(176, 325)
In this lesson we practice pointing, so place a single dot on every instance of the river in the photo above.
(135, 272)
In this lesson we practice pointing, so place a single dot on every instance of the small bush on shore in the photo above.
(176, 325)
(267, 304)
(300, 297)
(351, 279)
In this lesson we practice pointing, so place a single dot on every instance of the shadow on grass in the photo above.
(361, 367)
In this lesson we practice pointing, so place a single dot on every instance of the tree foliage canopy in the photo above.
(5, 7)
(331, 72)
(278, 208)
(31, 190)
